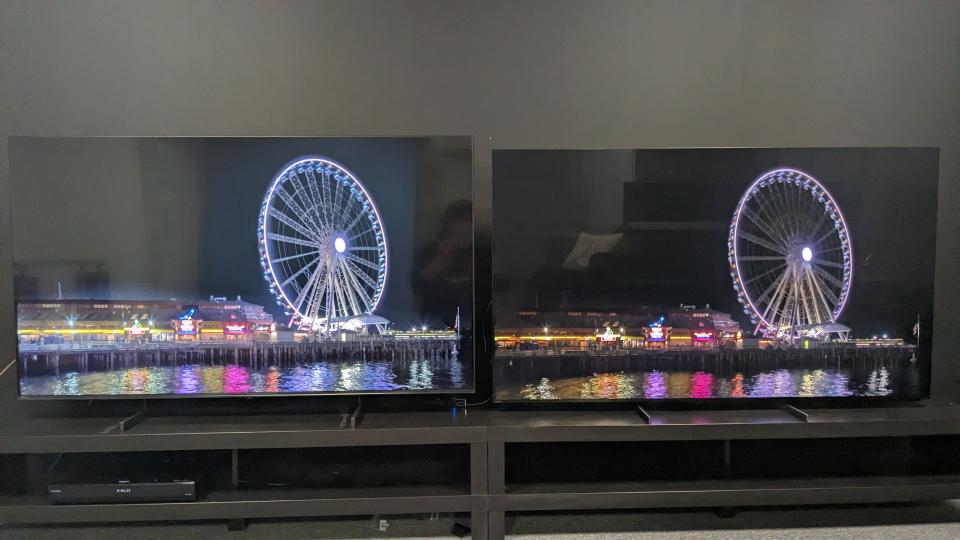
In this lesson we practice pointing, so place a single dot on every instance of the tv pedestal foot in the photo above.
(352, 418)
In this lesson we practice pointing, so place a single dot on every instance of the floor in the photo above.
(926, 522)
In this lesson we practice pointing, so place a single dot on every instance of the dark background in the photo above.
(533, 74)
(674, 208)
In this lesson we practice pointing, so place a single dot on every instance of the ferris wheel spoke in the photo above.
(349, 299)
(761, 242)
(821, 290)
(355, 277)
(367, 280)
(778, 268)
(828, 263)
(762, 258)
(315, 280)
(764, 226)
(292, 204)
(360, 215)
(296, 256)
(277, 237)
(307, 203)
(834, 280)
(347, 211)
(772, 311)
(768, 207)
(319, 207)
(340, 298)
(298, 273)
(806, 299)
(360, 260)
(774, 286)
(316, 299)
(290, 222)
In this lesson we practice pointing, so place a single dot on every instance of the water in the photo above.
(237, 379)
(695, 378)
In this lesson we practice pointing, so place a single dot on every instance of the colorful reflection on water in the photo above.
(660, 384)
(358, 376)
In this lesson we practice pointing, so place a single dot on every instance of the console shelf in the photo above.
(724, 493)
(656, 459)
(247, 504)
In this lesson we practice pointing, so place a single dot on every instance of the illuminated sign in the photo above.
(608, 335)
(234, 328)
(656, 333)
(185, 325)
(703, 336)
(137, 329)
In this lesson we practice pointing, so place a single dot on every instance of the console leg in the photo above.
(127, 423)
(236, 525)
(496, 525)
(478, 526)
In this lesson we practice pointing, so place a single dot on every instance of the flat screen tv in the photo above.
(695, 274)
(173, 267)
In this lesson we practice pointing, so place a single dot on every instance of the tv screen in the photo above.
(713, 273)
(242, 266)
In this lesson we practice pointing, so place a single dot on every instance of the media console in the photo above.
(718, 459)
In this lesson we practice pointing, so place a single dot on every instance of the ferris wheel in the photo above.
(790, 254)
(322, 244)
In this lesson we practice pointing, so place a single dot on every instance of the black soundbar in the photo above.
(122, 492)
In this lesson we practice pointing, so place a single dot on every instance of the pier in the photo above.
(86, 357)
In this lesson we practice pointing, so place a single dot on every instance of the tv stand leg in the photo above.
(132, 420)
(353, 418)
(236, 524)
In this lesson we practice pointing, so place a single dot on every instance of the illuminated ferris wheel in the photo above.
(790, 254)
(322, 244)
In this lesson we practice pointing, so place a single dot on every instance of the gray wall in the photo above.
(628, 74)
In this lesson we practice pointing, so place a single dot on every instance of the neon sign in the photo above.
(608, 335)
(656, 333)
(137, 329)
(185, 325)
(703, 336)
(234, 328)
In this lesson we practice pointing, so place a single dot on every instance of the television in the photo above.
(713, 274)
(217, 266)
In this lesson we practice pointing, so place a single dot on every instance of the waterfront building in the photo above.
(44, 322)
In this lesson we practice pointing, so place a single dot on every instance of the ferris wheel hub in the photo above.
(806, 254)
(340, 244)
